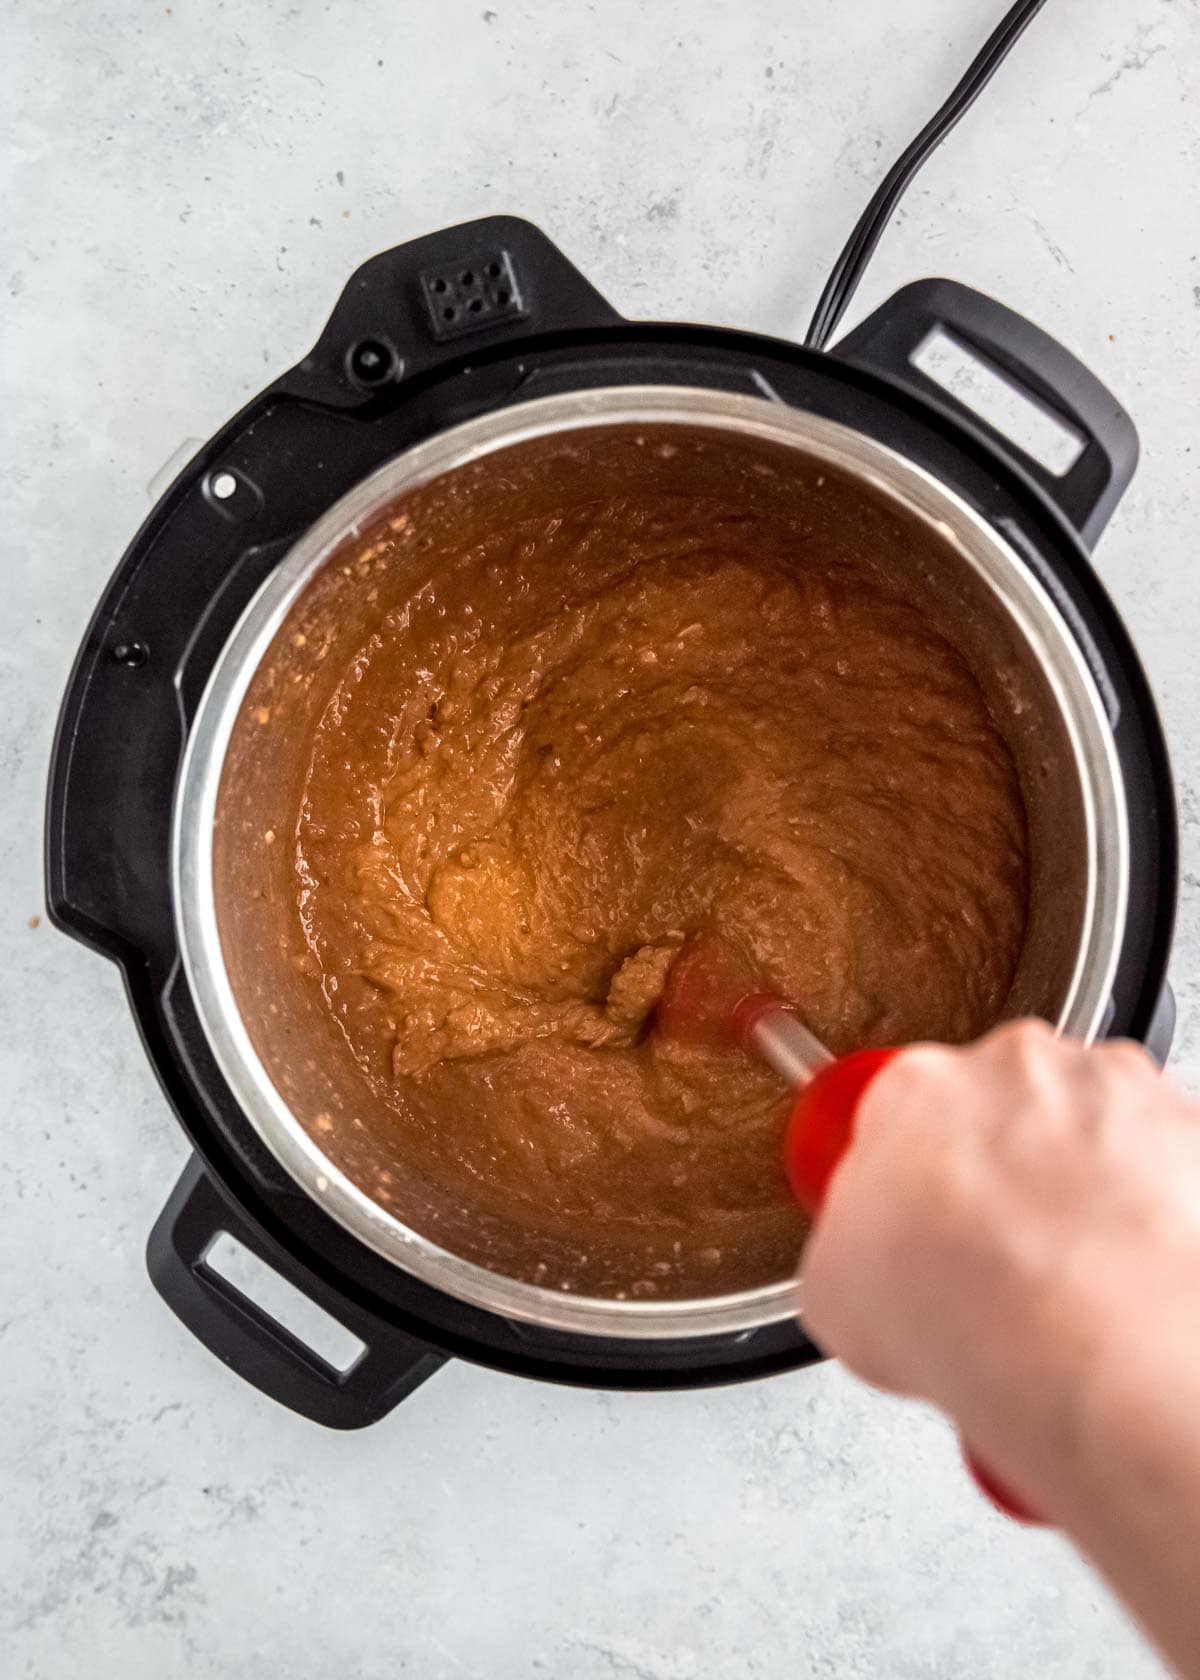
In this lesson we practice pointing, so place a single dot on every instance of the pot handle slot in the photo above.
(1025, 358)
(254, 1343)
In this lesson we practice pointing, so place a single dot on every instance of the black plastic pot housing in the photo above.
(425, 336)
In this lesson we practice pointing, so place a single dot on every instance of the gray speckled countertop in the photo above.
(186, 187)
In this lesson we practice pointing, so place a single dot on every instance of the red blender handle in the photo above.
(818, 1134)
(822, 1122)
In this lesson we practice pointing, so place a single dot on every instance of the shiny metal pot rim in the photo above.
(923, 497)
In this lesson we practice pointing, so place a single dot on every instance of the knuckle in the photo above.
(1128, 1056)
(904, 1085)
(1021, 1046)
(1028, 1031)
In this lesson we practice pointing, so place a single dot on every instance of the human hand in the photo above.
(1011, 1221)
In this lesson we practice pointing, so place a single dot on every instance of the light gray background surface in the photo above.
(186, 189)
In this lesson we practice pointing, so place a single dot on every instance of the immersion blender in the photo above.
(706, 1000)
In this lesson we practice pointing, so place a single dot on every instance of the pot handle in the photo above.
(1026, 358)
(255, 1345)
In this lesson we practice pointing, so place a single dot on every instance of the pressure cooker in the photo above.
(468, 349)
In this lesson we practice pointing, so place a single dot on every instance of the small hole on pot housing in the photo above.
(231, 494)
(372, 362)
(131, 654)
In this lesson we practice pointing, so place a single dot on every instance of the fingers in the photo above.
(976, 1178)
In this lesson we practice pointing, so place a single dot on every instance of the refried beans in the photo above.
(572, 741)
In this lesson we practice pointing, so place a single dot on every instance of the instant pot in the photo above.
(456, 350)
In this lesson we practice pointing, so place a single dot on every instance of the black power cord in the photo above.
(868, 230)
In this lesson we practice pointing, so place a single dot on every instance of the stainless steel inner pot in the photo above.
(1037, 683)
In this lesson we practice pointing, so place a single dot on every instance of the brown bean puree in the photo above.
(558, 746)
